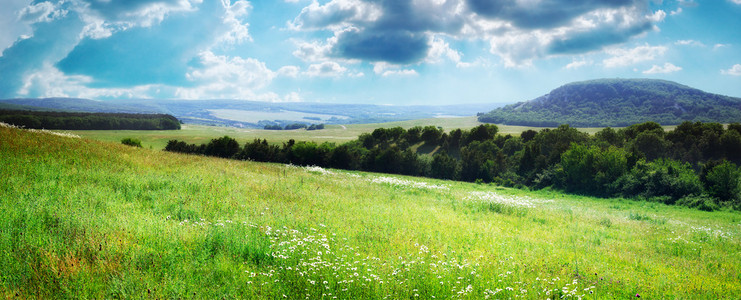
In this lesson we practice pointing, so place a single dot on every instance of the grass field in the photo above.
(90, 219)
(199, 134)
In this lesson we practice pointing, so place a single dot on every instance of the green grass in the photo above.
(199, 134)
(89, 219)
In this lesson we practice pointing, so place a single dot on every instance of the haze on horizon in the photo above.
(360, 51)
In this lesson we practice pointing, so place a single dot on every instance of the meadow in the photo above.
(199, 134)
(90, 219)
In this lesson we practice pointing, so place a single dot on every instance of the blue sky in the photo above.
(360, 51)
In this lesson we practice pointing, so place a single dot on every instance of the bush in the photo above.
(662, 177)
(591, 170)
(701, 202)
(132, 142)
(722, 182)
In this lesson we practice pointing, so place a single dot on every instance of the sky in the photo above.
(395, 52)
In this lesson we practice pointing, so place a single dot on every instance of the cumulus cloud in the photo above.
(237, 29)
(542, 14)
(666, 68)
(325, 69)
(440, 49)
(335, 13)
(736, 1)
(401, 47)
(154, 55)
(389, 30)
(101, 48)
(41, 12)
(50, 82)
(404, 31)
(625, 57)
(385, 69)
(51, 41)
(289, 71)
(221, 76)
(735, 70)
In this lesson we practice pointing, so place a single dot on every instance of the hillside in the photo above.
(88, 219)
(619, 102)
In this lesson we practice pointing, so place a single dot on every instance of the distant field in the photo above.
(252, 116)
(85, 219)
(332, 133)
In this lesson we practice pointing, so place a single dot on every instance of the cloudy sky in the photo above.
(360, 51)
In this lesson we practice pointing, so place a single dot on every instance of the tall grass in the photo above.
(89, 219)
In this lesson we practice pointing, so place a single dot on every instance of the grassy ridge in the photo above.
(91, 219)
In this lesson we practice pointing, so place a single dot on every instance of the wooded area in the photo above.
(88, 121)
(694, 165)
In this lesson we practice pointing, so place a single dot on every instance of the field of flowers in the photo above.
(89, 219)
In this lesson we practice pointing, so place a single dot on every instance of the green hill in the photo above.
(619, 102)
(88, 219)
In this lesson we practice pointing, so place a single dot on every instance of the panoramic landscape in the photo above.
(358, 149)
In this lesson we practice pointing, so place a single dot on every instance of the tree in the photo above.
(482, 133)
(610, 137)
(431, 135)
(650, 145)
(722, 182)
(225, 147)
(444, 166)
(591, 170)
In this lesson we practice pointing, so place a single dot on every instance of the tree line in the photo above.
(696, 164)
(294, 126)
(88, 121)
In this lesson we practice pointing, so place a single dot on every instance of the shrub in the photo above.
(722, 182)
(132, 142)
(591, 170)
(701, 202)
(662, 177)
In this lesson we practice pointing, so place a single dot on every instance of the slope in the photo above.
(619, 102)
(88, 219)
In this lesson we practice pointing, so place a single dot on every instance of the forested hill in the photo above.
(619, 102)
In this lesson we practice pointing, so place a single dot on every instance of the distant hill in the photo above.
(257, 114)
(76, 105)
(618, 102)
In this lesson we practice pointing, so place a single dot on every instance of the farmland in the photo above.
(92, 219)
(198, 134)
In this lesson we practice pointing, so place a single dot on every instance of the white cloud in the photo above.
(718, 46)
(676, 12)
(48, 81)
(666, 68)
(41, 12)
(575, 64)
(440, 49)
(733, 71)
(736, 1)
(689, 43)
(657, 16)
(625, 57)
(519, 47)
(312, 52)
(385, 69)
(228, 77)
(234, 14)
(325, 69)
(335, 14)
(289, 71)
